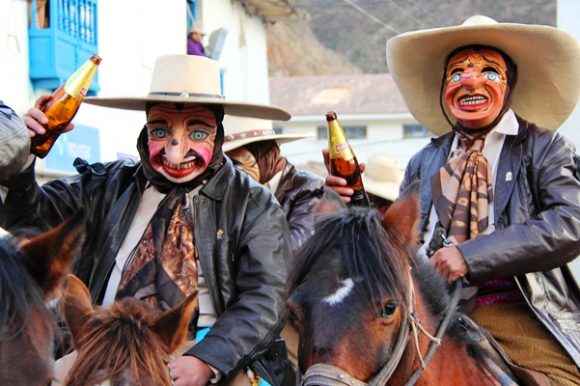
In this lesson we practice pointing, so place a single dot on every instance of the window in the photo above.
(415, 131)
(62, 36)
(352, 132)
(278, 130)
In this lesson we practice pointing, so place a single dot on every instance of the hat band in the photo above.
(185, 95)
(248, 134)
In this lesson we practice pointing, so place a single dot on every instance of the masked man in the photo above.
(182, 219)
(255, 148)
(499, 182)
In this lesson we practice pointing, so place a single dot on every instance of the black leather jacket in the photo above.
(241, 239)
(537, 212)
(298, 192)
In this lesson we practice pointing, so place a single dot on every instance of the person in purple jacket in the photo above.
(194, 44)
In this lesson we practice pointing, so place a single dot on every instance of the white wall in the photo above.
(15, 87)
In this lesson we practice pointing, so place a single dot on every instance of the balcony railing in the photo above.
(62, 36)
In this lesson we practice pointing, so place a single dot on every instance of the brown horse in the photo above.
(365, 316)
(30, 271)
(127, 344)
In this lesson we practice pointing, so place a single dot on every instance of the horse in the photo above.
(31, 269)
(368, 312)
(128, 343)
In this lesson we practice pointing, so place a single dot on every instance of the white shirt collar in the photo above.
(508, 124)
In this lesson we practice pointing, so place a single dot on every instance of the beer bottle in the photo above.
(63, 106)
(343, 162)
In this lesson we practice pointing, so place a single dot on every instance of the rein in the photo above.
(327, 375)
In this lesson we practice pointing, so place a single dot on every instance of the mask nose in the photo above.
(175, 151)
(471, 78)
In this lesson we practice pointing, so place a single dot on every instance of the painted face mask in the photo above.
(180, 142)
(476, 86)
(246, 161)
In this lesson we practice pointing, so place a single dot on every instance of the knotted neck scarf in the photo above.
(462, 189)
(462, 192)
(162, 268)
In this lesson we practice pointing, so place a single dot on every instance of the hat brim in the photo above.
(547, 59)
(280, 138)
(387, 190)
(230, 107)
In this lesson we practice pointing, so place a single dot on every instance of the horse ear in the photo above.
(171, 327)
(77, 306)
(401, 220)
(48, 255)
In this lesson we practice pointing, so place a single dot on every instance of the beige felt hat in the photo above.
(547, 59)
(190, 79)
(382, 176)
(239, 131)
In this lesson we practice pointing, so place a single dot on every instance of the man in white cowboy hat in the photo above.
(181, 220)
(499, 181)
(194, 40)
(382, 178)
(255, 148)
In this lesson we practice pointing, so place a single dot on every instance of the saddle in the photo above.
(494, 358)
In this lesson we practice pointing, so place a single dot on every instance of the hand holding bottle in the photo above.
(35, 119)
(336, 183)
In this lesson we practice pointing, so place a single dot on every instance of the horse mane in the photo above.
(359, 237)
(18, 291)
(119, 340)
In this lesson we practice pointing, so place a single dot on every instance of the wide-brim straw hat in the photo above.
(240, 131)
(547, 59)
(382, 176)
(190, 79)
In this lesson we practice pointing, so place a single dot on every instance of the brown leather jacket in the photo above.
(298, 192)
(537, 212)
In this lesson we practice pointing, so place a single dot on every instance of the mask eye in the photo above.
(158, 133)
(455, 77)
(198, 135)
(388, 310)
(492, 76)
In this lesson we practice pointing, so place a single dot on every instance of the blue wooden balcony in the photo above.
(62, 36)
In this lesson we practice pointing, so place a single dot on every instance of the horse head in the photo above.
(367, 311)
(31, 269)
(346, 293)
(129, 343)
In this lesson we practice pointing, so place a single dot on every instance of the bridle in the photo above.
(321, 374)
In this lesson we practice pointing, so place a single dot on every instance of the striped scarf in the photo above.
(462, 192)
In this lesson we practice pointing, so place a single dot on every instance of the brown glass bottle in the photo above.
(343, 162)
(63, 106)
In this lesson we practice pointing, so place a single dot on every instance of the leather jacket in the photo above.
(241, 240)
(537, 227)
(297, 193)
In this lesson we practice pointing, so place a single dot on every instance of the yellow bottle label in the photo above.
(78, 84)
(338, 146)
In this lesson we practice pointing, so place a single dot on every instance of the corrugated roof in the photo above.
(274, 10)
(345, 94)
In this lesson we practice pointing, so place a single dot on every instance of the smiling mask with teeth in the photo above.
(476, 86)
(180, 141)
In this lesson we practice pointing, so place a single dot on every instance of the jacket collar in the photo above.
(217, 184)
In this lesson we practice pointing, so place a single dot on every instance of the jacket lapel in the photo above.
(507, 171)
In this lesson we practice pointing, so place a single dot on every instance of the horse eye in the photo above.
(388, 309)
